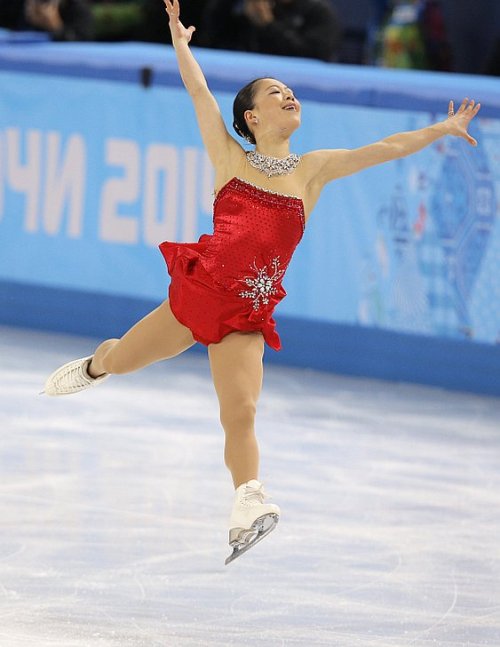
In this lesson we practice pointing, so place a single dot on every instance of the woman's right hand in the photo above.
(177, 29)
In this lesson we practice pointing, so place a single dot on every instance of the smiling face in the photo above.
(275, 109)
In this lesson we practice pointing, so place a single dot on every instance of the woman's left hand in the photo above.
(458, 122)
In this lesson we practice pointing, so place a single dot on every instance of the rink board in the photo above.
(400, 261)
(321, 345)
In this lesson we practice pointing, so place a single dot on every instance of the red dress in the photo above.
(231, 280)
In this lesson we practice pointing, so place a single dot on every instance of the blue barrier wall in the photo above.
(100, 160)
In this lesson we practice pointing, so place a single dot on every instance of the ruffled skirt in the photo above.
(209, 310)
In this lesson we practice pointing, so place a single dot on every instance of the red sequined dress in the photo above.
(231, 280)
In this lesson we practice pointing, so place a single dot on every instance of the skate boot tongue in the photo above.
(252, 492)
(254, 484)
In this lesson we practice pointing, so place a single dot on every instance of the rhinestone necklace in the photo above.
(273, 165)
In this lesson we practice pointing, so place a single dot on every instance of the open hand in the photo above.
(458, 122)
(177, 29)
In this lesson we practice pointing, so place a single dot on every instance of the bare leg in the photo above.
(236, 364)
(158, 336)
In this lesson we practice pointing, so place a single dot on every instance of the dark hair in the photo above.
(243, 101)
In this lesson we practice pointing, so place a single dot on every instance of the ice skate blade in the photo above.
(261, 527)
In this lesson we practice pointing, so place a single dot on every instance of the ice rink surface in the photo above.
(114, 504)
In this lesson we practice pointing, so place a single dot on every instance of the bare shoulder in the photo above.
(317, 161)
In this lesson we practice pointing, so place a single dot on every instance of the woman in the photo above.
(225, 287)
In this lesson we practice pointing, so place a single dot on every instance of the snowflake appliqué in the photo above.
(262, 285)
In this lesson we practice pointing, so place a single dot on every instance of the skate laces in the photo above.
(254, 494)
(76, 377)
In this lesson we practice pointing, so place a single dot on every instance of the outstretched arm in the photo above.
(217, 140)
(331, 164)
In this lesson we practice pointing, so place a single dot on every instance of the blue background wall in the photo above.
(100, 160)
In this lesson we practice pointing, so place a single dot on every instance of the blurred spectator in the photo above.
(414, 37)
(118, 20)
(473, 27)
(435, 34)
(359, 22)
(62, 19)
(307, 28)
(379, 15)
(380, 9)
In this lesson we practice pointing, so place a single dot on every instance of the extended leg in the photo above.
(158, 336)
(155, 337)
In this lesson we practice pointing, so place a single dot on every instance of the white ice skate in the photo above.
(72, 378)
(251, 519)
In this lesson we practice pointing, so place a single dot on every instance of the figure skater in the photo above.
(225, 287)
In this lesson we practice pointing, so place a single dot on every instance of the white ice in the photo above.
(114, 503)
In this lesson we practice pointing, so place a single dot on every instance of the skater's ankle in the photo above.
(239, 483)
(92, 372)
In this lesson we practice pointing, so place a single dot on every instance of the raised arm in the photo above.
(218, 142)
(327, 165)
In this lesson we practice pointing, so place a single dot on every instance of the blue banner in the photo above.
(95, 173)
